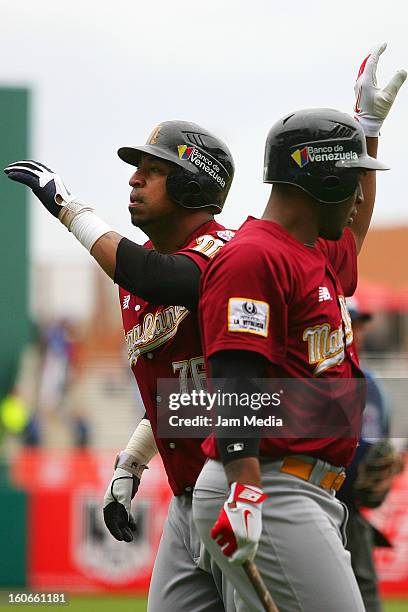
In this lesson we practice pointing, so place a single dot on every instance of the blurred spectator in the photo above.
(20, 405)
(43, 388)
(13, 413)
(56, 379)
(57, 362)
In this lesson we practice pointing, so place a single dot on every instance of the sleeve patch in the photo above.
(246, 315)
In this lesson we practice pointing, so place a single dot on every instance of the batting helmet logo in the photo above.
(184, 151)
(154, 135)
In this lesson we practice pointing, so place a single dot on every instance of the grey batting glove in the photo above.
(119, 494)
(373, 103)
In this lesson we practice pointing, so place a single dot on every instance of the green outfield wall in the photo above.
(14, 291)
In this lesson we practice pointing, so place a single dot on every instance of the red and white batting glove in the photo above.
(372, 103)
(239, 524)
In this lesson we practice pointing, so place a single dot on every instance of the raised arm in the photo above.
(155, 277)
(371, 108)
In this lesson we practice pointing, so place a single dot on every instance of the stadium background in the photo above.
(67, 400)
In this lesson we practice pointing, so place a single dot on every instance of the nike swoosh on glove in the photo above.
(372, 103)
(239, 524)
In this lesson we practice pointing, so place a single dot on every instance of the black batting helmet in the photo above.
(204, 165)
(322, 151)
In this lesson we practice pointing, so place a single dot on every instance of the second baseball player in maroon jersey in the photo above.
(265, 496)
(290, 308)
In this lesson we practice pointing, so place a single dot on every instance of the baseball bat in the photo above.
(260, 588)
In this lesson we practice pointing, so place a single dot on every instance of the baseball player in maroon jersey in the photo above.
(181, 179)
(286, 317)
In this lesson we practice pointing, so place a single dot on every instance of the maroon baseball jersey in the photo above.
(164, 342)
(267, 292)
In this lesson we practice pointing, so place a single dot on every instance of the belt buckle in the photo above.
(332, 483)
(338, 481)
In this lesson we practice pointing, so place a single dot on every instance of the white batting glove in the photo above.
(372, 103)
(45, 184)
(239, 524)
(49, 188)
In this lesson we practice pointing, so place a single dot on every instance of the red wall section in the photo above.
(69, 545)
(392, 519)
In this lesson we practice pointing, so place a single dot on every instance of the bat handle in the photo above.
(260, 588)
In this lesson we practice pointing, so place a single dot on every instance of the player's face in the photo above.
(149, 201)
(334, 218)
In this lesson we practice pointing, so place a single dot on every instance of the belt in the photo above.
(314, 470)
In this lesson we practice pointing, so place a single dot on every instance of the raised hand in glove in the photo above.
(45, 184)
(239, 524)
(49, 188)
(372, 103)
(119, 494)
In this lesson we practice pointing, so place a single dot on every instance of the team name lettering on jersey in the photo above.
(154, 330)
(348, 328)
(326, 346)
